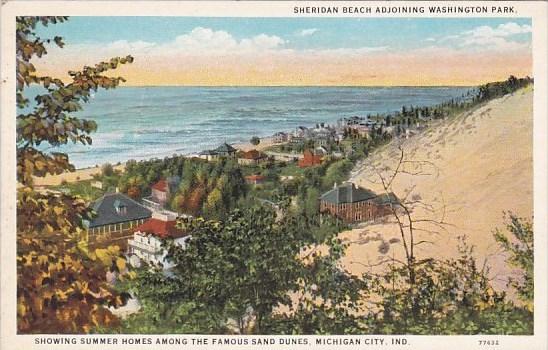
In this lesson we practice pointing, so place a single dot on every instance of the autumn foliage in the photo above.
(61, 286)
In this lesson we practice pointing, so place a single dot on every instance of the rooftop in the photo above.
(225, 148)
(160, 186)
(255, 178)
(253, 154)
(160, 228)
(106, 213)
(349, 193)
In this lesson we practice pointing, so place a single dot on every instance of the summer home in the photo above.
(146, 243)
(114, 213)
(354, 204)
(309, 159)
(252, 157)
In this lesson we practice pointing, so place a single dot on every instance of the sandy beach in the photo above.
(74, 176)
(265, 143)
(484, 163)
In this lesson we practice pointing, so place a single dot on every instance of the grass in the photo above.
(82, 189)
(291, 169)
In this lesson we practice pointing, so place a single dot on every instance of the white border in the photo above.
(9, 340)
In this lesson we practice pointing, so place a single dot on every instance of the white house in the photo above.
(146, 244)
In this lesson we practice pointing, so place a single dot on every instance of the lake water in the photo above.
(147, 122)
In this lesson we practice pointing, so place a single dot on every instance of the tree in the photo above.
(214, 205)
(520, 248)
(134, 185)
(312, 202)
(255, 140)
(61, 287)
(107, 169)
(239, 269)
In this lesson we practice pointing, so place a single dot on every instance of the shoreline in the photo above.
(85, 174)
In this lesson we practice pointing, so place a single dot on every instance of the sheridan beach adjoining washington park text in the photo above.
(302, 10)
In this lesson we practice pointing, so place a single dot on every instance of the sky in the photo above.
(198, 51)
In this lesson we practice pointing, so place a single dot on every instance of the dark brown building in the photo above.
(355, 204)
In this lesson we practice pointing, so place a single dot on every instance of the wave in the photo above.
(158, 121)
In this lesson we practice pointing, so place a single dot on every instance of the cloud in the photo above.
(490, 38)
(205, 39)
(207, 42)
(503, 30)
(308, 32)
(206, 56)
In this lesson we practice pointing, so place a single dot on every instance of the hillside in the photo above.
(481, 165)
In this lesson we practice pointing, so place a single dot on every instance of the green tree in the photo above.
(61, 287)
(107, 169)
(214, 205)
(519, 245)
(312, 202)
(239, 269)
(255, 140)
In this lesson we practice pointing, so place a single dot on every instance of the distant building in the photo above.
(146, 243)
(161, 192)
(255, 179)
(97, 184)
(301, 131)
(252, 157)
(321, 151)
(297, 140)
(284, 157)
(223, 151)
(350, 120)
(361, 129)
(226, 150)
(355, 204)
(309, 159)
(323, 139)
(280, 137)
(116, 212)
(208, 155)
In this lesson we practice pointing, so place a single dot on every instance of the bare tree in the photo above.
(403, 209)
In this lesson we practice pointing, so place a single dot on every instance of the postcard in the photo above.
(274, 175)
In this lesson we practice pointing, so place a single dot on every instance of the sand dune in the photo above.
(481, 165)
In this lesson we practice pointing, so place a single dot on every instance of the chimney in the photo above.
(351, 192)
(335, 185)
(117, 189)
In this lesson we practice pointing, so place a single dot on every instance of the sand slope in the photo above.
(484, 162)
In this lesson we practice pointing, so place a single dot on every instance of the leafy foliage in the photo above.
(520, 247)
(206, 188)
(500, 88)
(236, 271)
(61, 287)
(452, 296)
(255, 140)
(50, 120)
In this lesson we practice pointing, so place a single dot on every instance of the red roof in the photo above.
(255, 178)
(160, 186)
(160, 228)
(253, 154)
